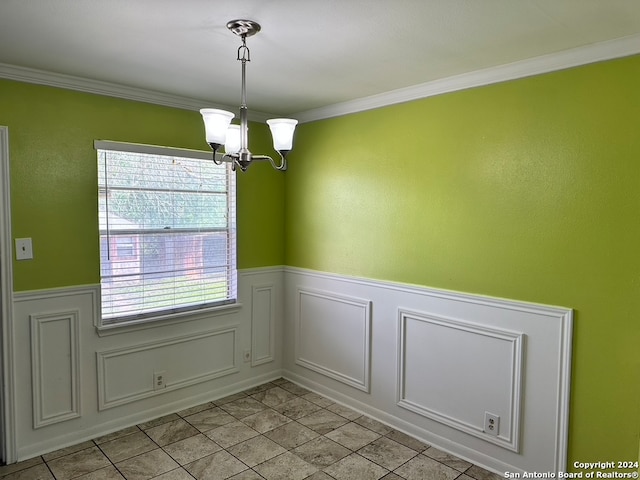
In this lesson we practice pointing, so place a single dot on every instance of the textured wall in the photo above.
(54, 178)
(525, 190)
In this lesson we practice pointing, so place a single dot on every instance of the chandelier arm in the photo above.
(215, 147)
(283, 161)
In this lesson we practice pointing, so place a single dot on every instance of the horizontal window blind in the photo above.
(167, 231)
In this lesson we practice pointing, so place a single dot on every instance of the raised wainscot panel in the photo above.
(333, 336)
(263, 331)
(127, 374)
(465, 375)
(55, 367)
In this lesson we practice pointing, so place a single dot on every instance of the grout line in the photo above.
(299, 393)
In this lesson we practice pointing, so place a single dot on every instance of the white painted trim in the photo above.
(261, 270)
(255, 289)
(7, 402)
(104, 402)
(103, 331)
(77, 436)
(56, 292)
(509, 441)
(564, 390)
(163, 320)
(485, 300)
(39, 418)
(574, 57)
(597, 52)
(363, 383)
(97, 87)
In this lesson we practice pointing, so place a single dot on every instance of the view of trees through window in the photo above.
(166, 233)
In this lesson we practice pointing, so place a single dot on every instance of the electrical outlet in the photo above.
(246, 356)
(491, 424)
(158, 381)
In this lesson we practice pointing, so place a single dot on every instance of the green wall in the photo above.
(525, 190)
(528, 190)
(54, 186)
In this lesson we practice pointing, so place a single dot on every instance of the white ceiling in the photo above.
(310, 54)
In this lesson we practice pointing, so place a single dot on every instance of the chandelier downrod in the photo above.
(217, 122)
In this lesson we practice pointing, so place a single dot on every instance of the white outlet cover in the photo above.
(491, 424)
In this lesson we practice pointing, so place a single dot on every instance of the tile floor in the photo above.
(277, 431)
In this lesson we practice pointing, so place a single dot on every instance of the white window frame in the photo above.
(172, 315)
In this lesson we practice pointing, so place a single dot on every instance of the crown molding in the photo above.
(70, 82)
(597, 52)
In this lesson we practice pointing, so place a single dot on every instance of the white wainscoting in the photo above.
(263, 323)
(332, 336)
(439, 360)
(55, 367)
(184, 361)
(76, 383)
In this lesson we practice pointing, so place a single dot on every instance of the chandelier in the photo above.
(235, 138)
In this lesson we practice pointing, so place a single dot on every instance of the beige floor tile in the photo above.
(177, 474)
(247, 475)
(147, 465)
(355, 467)
(171, 432)
(218, 466)
(286, 466)
(422, 467)
(127, 446)
(78, 463)
(266, 420)
(296, 408)
(291, 435)
(191, 449)
(353, 436)
(16, 467)
(231, 434)
(37, 472)
(68, 450)
(481, 474)
(322, 421)
(256, 450)
(274, 431)
(387, 453)
(107, 473)
(273, 397)
(209, 419)
(321, 452)
(243, 407)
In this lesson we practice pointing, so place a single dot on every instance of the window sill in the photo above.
(169, 319)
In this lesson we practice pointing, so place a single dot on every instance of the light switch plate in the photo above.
(24, 249)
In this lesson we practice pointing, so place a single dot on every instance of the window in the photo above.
(167, 232)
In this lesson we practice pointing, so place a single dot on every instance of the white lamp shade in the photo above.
(232, 143)
(282, 132)
(216, 123)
